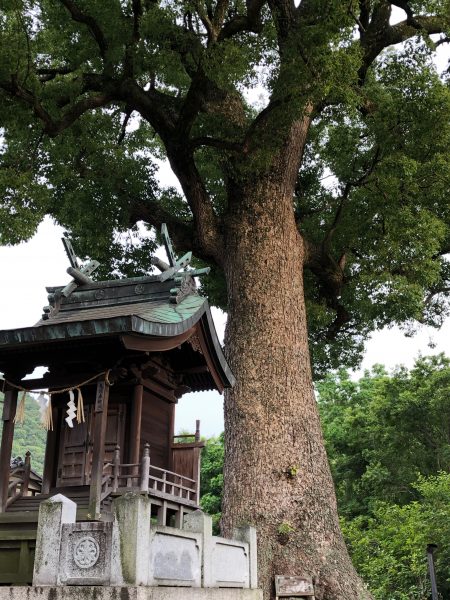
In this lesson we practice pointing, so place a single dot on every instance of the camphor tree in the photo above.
(94, 93)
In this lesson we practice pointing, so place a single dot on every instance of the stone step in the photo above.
(31, 503)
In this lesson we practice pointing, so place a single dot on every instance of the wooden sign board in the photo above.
(289, 586)
(99, 398)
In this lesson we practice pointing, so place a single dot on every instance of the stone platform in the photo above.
(126, 593)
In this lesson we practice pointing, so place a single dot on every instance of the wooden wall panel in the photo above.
(185, 461)
(156, 429)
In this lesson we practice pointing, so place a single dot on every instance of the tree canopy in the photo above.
(388, 443)
(94, 96)
(212, 478)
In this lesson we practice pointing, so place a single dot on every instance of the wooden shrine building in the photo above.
(119, 353)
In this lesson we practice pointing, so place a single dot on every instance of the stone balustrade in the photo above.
(132, 551)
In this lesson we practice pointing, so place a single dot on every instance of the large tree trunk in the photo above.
(277, 475)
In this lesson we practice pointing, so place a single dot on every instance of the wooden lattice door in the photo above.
(75, 455)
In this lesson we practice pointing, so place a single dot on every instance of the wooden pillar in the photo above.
(145, 469)
(171, 439)
(136, 420)
(98, 451)
(196, 469)
(51, 453)
(179, 517)
(26, 474)
(162, 514)
(196, 466)
(9, 412)
(116, 469)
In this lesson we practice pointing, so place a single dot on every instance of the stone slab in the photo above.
(176, 557)
(126, 593)
(230, 563)
(248, 534)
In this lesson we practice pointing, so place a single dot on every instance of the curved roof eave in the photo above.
(168, 321)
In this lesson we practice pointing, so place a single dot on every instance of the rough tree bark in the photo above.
(277, 475)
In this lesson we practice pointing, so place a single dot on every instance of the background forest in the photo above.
(29, 435)
(388, 442)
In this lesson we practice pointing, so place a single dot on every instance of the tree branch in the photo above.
(444, 40)
(422, 24)
(80, 17)
(123, 129)
(153, 213)
(206, 21)
(53, 127)
(204, 95)
(77, 110)
(239, 23)
(219, 14)
(173, 125)
(433, 293)
(45, 74)
(380, 34)
(136, 36)
(137, 14)
(208, 238)
(330, 277)
(329, 271)
(344, 196)
(198, 142)
(342, 318)
(337, 217)
(364, 14)
(160, 110)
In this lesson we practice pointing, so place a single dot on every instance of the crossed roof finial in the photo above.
(175, 265)
(80, 274)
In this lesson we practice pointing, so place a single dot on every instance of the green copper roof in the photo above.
(157, 319)
(155, 312)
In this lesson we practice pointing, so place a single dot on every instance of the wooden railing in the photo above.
(19, 482)
(164, 481)
(146, 478)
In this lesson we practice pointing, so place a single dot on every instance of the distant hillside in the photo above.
(29, 436)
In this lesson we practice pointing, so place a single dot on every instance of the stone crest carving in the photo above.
(86, 552)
